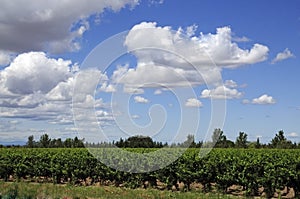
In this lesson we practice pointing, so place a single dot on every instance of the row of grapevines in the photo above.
(250, 168)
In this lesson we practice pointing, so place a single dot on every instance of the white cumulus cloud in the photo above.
(140, 99)
(286, 54)
(39, 88)
(5, 57)
(221, 92)
(264, 99)
(179, 58)
(193, 102)
(108, 88)
(147, 75)
(35, 72)
(133, 90)
(230, 84)
(220, 46)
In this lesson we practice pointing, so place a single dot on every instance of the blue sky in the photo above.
(247, 52)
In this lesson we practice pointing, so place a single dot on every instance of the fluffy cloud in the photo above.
(35, 72)
(54, 25)
(180, 58)
(139, 99)
(153, 75)
(5, 57)
(37, 87)
(199, 50)
(193, 102)
(108, 88)
(133, 90)
(221, 92)
(230, 84)
(264, 99)
(286, 54)
(63, 91)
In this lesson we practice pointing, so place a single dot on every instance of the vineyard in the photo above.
(257, 171)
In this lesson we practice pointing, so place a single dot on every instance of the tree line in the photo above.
(219, 140)
(46, 142)
(278, 141)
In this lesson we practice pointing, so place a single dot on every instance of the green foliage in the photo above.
(257, 144)
(217, 135)
(220, 140)
(137, 141)
(46, 142)
(30, 143)
(241, 140)
(280, 141)
(252, 169)
(12, 193)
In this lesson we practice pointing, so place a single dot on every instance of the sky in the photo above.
(108, 69)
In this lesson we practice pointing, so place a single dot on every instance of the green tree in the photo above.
(199, 144)
(59, 143)
(257, 143)
(217, 135)
(220, 140)
(241, 140)
(280, 141)
(52, 143)
(224, 143)
(45, 141)
(68, 143)
(189, 142)
(120, 143)
(77, 143)
(30, 143)
(138, 141)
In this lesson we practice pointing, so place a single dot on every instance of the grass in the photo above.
(23, 190)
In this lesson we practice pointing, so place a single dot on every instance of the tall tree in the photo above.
(241, 140)
(78, 143)
(45, 141)
(30, 143)
(280, 141)
(59, 143)
(257, 143)
(217, 135)
(189, 142)
(52, 143)
(68, 143)
(220, 140)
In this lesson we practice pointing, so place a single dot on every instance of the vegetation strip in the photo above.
(30, 190)
(257, 171)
